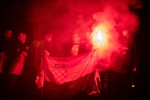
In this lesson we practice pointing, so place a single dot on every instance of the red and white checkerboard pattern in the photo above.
(60, 75)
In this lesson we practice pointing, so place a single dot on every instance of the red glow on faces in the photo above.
(134, 70)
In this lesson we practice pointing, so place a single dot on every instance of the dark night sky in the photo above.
(14, 15)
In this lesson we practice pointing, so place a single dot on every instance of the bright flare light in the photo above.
(98, 37)
(102, 40)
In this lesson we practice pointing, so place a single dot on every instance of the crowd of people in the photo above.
(19, 61)
(12, 54)
(18, 58)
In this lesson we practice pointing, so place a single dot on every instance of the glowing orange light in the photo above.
(98, 37)
(104, 41)
(133, 86)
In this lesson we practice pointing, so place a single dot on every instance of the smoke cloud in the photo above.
(66, 17)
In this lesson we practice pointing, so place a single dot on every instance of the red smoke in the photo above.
(66, 17)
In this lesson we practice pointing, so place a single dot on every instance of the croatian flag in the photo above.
(67, 75)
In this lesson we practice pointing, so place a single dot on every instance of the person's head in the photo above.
(125, 33)
(8, 34)
(22, 37)
(76, 39)
(48, 37)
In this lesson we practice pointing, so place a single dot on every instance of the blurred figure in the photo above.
(7, 56)
(80, 45)
(8, 34)
(17, 67)
(21, 51)
(7, 51)
(77, 46)
(48, 46)
(43, 46)
(40, 47)
(22, 46)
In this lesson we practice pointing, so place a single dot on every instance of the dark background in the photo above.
(14, 15)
